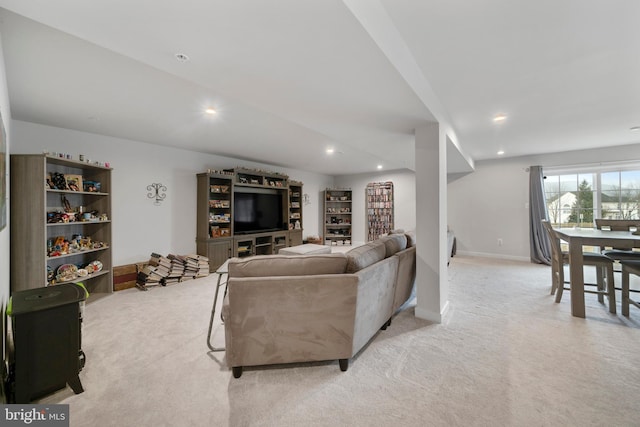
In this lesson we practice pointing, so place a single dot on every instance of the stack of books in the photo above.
(177, 267)
(151, 275)
(190, 267)
(202, 265)
(171, 269)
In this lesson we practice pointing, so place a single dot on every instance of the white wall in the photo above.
(404, 191)
(4, 234)
(491, 203)
(139, 226)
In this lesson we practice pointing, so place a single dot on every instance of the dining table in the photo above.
(577, 238)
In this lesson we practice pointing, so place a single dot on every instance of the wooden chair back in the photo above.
(556, 249)
(617, 224)
(557, 272)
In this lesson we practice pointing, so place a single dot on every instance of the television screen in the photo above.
(255, 212)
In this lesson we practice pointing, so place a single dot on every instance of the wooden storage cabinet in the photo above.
(214, 217)
(295, 213)
(216, 236)
(36, 233)
(337, 216)
(216, 250)
(280, 240)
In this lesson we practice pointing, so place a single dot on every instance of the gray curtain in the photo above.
(538, 238)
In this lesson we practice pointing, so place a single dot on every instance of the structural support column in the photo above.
(431, 223)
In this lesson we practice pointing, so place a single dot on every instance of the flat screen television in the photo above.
(255, 212)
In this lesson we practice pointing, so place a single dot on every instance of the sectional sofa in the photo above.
(304, 308)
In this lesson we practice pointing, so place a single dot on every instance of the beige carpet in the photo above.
(506, 355)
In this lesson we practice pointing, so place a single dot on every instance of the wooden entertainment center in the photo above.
(243, 212)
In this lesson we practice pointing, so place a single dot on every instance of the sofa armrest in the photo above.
(406, 276)
(289, 319)
(375, 300)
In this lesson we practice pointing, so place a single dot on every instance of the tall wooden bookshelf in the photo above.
(56, 229)
(337, 216)
(295, 213)
(379, 209)
(214, 217)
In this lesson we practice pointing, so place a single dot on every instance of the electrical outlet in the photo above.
(499, 242)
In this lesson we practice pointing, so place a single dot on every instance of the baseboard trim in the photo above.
(496, 256)
(431, 315)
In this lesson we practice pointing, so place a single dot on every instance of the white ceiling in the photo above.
(290, 78)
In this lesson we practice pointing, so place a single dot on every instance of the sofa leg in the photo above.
(344, 364)
(386, 324)
(237, 371)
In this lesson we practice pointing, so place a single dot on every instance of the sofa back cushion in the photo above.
(287, 265)
(364, 256)
(394, 243)
(411, 238)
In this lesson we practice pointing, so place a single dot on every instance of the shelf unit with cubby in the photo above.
(295, 212)
(216, 236)
(60, 235)
(337, 216)
(214, 217)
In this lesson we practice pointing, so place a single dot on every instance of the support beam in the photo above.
(431, 225)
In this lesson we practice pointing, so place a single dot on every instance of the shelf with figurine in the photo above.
(54, 198)
(59, 246)
(69, 273)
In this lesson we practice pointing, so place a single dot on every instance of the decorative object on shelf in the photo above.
(66, 272)
(58, 181)
(91, 186)
(379, 209)
(157, 192)
(74, 182)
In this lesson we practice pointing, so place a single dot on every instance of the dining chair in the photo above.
(628, 267)
(618, 254)
(560, 258)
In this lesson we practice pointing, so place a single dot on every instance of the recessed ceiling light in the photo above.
(500, 153)
(210, 111)
(330, 150)
(181, 57)
(635, 129)
(379, 166)
(500, 118)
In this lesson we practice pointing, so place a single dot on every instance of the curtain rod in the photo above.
(598, 165)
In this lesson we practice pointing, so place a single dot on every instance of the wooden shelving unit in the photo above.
(214, 217)
(295, 213)
(379, 209)
(49, 231)
(337, 216)
(216, 236)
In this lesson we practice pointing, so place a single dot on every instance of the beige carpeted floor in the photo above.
(506, 355)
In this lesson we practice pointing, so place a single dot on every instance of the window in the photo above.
(620, 195)
(570, 199)
(576, 199)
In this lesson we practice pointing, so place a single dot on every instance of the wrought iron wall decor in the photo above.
(157, 192)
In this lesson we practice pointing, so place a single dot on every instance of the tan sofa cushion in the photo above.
(394, 243)
(364, 256)
(287, 265)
